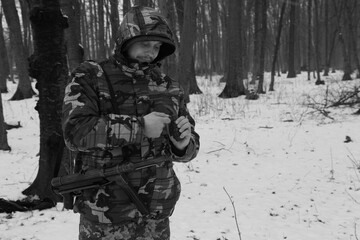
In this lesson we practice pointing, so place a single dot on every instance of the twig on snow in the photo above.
(355, 232)
(233, 205)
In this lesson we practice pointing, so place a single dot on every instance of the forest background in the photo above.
(43, 41)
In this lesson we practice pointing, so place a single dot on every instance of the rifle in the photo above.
(95, 178)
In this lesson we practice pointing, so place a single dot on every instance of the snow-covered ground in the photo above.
(287, 169)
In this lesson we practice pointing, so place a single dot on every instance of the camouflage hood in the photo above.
(144, 24)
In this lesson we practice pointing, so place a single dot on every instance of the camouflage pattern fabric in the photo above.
(105, 136)
(143, 230)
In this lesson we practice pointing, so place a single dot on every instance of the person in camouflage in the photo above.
(125, 110)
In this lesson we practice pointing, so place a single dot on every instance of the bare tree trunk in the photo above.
(234, 85)
(291, 53)
(25, 26)
(341, 32)
(24, 89)
(277, 45)
(194, 88)
(101, 33)
(263, 43)
(48, 66)
(317, 47)
(187, 41)
(309, 66)
(145, 3)
(3, 133)
(215, 38)
(180, 13)
(352, 9)
(327, 65)
(4, 63)
(257, 41)
(74, 51)
(114, 20)
(126, 6)
(92, 22)
(168, 10)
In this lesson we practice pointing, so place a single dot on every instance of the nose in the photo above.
(152, 53)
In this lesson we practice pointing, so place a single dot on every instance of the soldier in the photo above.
(125, 110)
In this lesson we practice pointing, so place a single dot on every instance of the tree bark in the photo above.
(309, 66)
(291, 53)
(341, 32)
(25, 26)
(3, 133)
(277, 45)
(187, 41)
(74, 50)
(263, 43)
(114, 20)
(234, 85)
(352, 9)
(48, 66)
(326, 70)
(317, 47)
(4, 64)
(24, 89)
(215, 38)
(257, 40)
(126, 6)
(101, 33)
(146, 3)
(168, 10)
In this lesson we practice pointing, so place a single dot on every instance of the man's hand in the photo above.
(184, 127)
(154, 124)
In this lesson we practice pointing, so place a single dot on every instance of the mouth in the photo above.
(145, 59)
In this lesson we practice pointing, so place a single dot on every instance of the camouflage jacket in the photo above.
(105, 136)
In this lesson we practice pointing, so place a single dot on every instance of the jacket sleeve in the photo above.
(85, 128)
(191, 151)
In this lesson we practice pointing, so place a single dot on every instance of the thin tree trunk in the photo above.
(291, 53)
(114, 20)
(309, 67)
(24, 89)
(215, 38)
(277, 45)
(25, 26)
(326, 70)
(48, 66)
(263, 43)
(317, 47)
(101, 33)
(180, 13)
(257, 41)
(194, 88)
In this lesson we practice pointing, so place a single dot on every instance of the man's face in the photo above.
(144, 51)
